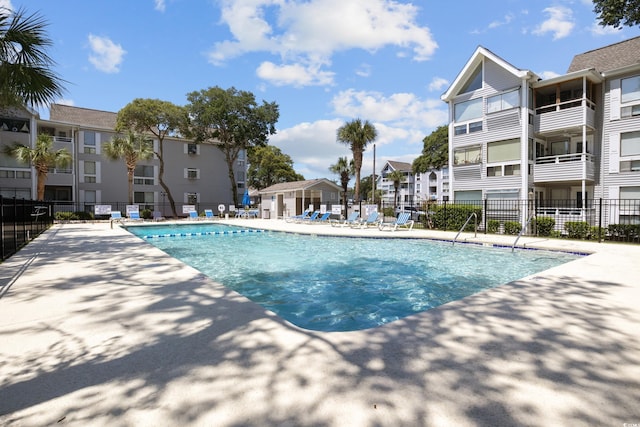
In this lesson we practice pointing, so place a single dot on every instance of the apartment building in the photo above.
(195, 173)
(416, 188)
(557, 143)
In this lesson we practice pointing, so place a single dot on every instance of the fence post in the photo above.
(446, 218)
(600, 221)
(484, 215)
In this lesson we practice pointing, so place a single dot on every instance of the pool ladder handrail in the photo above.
(513, 247)
(475, 227)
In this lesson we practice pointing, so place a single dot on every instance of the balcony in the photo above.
(565, 167)
(569, 114)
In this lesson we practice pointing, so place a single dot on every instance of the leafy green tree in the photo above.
(617, 13)
(268, 165)
(357, 134)
(366, 188)
(158, 118)
(231, 120)
(131, 148)
(345, 169)
(42, 158)
(435, 152)
(397, 178)
(25, 66)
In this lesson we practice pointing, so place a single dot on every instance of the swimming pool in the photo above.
(340, 283)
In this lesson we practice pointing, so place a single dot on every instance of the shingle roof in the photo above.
(607, 58)
(400, 166)
(82, 116)
(295, 185)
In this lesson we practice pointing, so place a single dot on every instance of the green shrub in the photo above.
(453, 217)
(493, 226)
(63, 216)
(555, 234)
(544, 225)
(146, 214)
(577, 229)
(596, 232)
(388, 212)
(623, 231)
(512, 227)
(73, 216)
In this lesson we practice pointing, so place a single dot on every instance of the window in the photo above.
(193, 173)
(630, 144)
(90, 196)
(504, 101)
(191, 198)
(144, 199)
(89, 142)
(630, 89)
(503, 151)
(143, 175)
(7, 174)
(630, 96)
(89, 172)
(474, 82)
(511, 170)
(192, 148)
(23, 174)
(467, 155)
(468, 196)
(630, 166)
(468, 110)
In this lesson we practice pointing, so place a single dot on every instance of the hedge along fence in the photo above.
(453, 217)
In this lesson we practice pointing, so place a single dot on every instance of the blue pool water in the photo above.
(338, 283)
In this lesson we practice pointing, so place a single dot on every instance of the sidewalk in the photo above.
(98, 328)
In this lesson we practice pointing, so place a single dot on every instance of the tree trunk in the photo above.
(130, 183)
(41, 180)
(164, 186)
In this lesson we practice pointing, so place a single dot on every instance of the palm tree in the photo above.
(345, 169)
(131, 148)
(397, 177)
(25, 75)
(357, 134)
(41, 158)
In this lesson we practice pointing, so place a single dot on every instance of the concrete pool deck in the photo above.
(98, 328)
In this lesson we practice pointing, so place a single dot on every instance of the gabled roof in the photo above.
(82, 116)
(399, 166)
(298, 185)
(612, 57)
(475, 60)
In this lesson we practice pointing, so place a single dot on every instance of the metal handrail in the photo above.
(475, 228)
(513, 247)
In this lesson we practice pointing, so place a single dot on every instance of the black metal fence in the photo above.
(20, 221)
(599, 219)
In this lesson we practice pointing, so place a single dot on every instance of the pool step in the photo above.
(204, 233)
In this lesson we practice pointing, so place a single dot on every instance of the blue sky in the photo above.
(324, 62)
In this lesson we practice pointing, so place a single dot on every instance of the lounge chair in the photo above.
(296, 218)
(401, 221)
(116, 215)
(193, 215)
(157, 216)
(351, 219)
(310, 218)
(372, 219)
(208, 213)
(134, 216)
(324, 218)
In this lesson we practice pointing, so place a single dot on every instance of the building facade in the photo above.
(556, 143)
(196, 174)
(416, 188)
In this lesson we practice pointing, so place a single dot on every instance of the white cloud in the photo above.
(598, 30)
(560, 22)
(364, 70)
(105, 55)
(6, 4)
(295, 75)
(400, 109)
(548, 74)
(312, 147)
(507, 19)
(438, 83)
(311, 32)
(160, 6)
